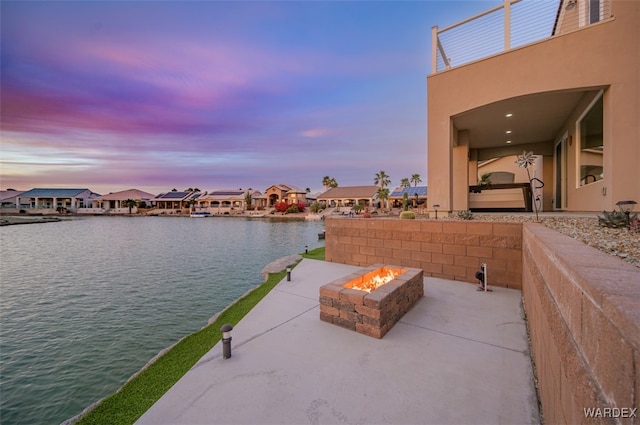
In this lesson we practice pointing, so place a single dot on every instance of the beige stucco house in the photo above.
(572, 97)
(349, 195)
(49, 200)
(229, 201)
(116, 202)
(8, 198)
(175, 202)
(285, 193)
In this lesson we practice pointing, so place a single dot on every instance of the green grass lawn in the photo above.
(141, 392)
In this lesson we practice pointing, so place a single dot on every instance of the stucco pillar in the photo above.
(473, 167)
(439, 153)
(460, 175)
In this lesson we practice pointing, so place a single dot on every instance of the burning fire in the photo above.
(370, 283)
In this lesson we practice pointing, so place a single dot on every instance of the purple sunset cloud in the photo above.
(157, 95)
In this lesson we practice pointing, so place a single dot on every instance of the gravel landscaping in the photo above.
(618, 242)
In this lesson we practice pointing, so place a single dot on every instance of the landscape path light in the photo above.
(435, 207)
(288, 274)
(226, 340)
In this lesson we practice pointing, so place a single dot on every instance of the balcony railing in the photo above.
(512, 24)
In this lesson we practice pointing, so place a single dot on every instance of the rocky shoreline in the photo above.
(10, 221)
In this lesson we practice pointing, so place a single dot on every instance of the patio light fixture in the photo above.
(626, 207)
(570, 5)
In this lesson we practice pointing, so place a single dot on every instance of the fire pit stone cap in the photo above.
(390, 287)
(354, 296)
(377, 299)
(408, 273)
(331, 290)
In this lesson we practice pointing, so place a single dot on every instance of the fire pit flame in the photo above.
(376, 281)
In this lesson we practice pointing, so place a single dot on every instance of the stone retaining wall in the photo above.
(583, 314)
(447, 249)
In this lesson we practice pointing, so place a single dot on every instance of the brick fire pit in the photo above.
(371, 313)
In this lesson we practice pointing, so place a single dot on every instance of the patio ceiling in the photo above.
(535, 118)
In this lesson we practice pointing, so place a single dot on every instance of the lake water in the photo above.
(85, 303)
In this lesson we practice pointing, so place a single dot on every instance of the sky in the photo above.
(156, 95)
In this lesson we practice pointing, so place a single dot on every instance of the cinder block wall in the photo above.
(583, 313)
(447, 249)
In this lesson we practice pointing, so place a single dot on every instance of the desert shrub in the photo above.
(315, 207)
(465, 215)
(407, 215)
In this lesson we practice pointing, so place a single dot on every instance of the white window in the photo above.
(591, 143)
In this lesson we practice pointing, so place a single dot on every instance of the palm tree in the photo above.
(329, 182)
(405, 182)
(383, 180)
(383, 195)
(415, 179)
(357, 208)
(130, 203)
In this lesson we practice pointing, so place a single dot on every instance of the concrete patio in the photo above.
(458, 357)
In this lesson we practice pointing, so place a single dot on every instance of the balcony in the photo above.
(513, 24)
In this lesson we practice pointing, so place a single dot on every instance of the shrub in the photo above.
(315, 207)
(407, 215)
(615, 219)
(283, 207)
(465, 215)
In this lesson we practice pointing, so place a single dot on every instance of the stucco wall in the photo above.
(602, 55)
